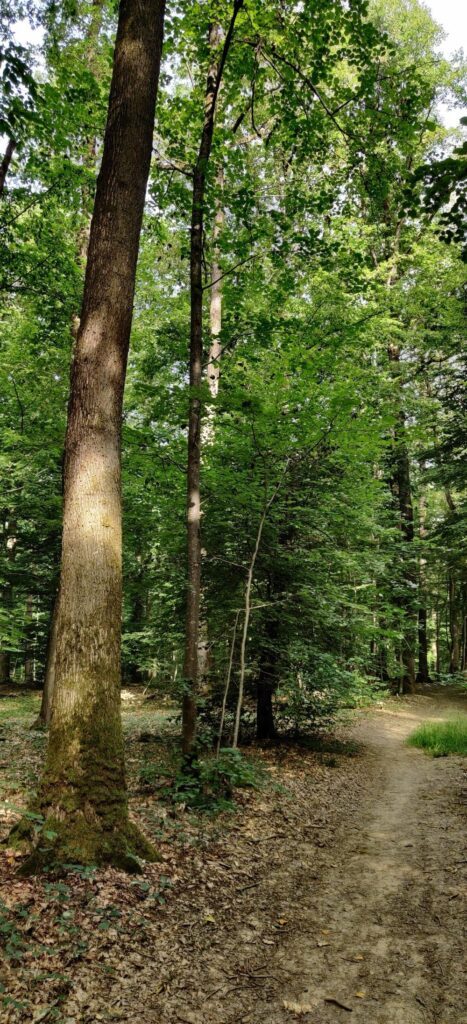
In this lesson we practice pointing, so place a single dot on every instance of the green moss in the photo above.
(82, 808)
(74, 840)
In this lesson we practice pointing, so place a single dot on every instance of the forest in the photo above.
(233, 508)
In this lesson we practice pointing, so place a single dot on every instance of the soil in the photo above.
(335, 895)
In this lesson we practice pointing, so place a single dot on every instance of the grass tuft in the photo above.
(441, 738)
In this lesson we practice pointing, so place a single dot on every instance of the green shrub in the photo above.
(312, 695)
(441, 738)
(208, 784)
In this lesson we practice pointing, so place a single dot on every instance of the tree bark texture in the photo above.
(193, 597)
(83, 793)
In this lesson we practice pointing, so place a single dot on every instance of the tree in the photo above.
(191, 667)
(82, 793)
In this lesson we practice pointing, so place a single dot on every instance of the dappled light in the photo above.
(233, 575)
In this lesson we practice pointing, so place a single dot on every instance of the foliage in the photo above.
(337, 178)
(209, 784)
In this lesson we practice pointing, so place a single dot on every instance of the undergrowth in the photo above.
(208, 784)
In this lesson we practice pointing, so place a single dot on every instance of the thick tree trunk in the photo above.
(83, 793)
(193, 598)
(82, 241)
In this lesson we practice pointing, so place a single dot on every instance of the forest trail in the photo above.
(395, 946)
(334, 895)
(356, 909)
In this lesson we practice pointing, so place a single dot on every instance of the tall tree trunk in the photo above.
(454, 630)
(29, 660)
(83, 792)
(213, 375)
(91, 41)
(423, 674)
(402, 492)
(191, 660)
(5, 164)
(90, 59)
(45, 713)
(268, 657)
(265, 725)
(268, 502)
(464, 643)
(438, 641)
(7, 597)
(215, 306)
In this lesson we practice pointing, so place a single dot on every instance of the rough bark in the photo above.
(90, 58)
(193, 598)
(83, 794)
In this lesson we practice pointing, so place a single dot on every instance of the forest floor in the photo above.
(335, 889)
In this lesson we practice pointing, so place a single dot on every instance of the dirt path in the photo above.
(336, 895)
(347, 901)
(391, 903)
